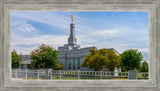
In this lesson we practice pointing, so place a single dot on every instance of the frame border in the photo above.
(7, 6)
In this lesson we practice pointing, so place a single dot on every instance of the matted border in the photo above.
(7, 6)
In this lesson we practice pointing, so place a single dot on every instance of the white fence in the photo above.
(49, 74)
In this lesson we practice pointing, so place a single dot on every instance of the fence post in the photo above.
(101, 75)
(60, 74)
(26, 74)
(137, 75)
(132, 74)
(38, 74)
(48, 72)
(16, 72)
(78, 75)
(51, 74)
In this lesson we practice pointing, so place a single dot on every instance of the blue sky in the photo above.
(119, 30)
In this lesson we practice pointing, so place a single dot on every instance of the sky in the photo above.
(118, 30)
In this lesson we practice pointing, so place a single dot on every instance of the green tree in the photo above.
(131, 59)
(44, 57)
(144, 67)
(101, 60)
(15, 59)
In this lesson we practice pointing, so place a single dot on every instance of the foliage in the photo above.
(131, 59)
(44, 57)
(15, 59)
(59, 66)
(102, 59)
(114, 60)
(144, 67)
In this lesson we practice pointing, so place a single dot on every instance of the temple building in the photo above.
(71, 55)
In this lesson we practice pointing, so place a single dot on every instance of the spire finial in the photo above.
(72, 17)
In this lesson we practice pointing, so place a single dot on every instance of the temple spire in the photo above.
(72, 40)
(72, 17)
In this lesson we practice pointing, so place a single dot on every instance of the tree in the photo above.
(101, 60)
(131, 59)
(144, 67)
(114, 60)
(15, 59)
(44, 57)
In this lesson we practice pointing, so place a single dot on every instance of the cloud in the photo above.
(23, 44)
(26, 28)
(106, 32)
(24, 50)
(53, 19)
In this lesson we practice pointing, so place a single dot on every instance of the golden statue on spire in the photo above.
(72, 17)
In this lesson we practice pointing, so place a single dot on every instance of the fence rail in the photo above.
(27, 74)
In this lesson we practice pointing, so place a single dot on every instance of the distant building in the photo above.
(26, 61)
(70, 55)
